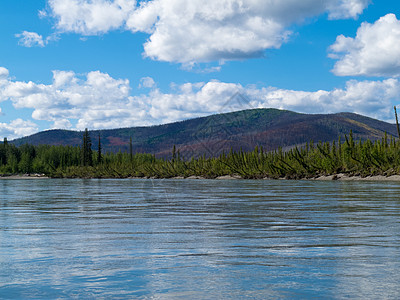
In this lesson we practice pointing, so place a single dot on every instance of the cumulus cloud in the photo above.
(203, 31)
(90, 17)
(345, 9)
(91, 101)
(30, 39)
(18, 128)
(98, 101)
(370, 98)
(196, 31)
(33, 39)
(375, 51)
(147, 82)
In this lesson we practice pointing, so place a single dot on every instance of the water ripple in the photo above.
(203, 239)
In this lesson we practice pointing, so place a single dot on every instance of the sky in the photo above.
(102, 64)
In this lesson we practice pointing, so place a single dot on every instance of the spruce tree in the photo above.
(130, 149)
(3, 153)
(86, 149)
(174, 153)
(99, 157)
(397, 122)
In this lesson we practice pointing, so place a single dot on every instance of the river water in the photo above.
(199, 239)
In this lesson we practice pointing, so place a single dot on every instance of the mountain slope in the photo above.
(269, 128)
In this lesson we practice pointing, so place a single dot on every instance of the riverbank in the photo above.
(338, 177)
(344, 177)
(23, 176)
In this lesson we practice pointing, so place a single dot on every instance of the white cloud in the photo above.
(344, 9)
(90, 17)
(98, 101)
(370, 98)
(42, 14)
(375, 51)
(33, 39)
(196, 31)
(30, 39)
(70, 97)
(4, 73)
(203, 31)
(147, 82)
(18, 128)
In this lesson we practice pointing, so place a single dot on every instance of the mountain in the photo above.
(269, 128)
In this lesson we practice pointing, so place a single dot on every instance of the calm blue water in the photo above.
(199, 239)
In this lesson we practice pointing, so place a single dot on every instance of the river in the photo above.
(199, 239)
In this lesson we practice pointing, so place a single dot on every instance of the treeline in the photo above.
(348, 156)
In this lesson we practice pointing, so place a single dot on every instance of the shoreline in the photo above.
(344, 177)
(24, 176)
(336, 177)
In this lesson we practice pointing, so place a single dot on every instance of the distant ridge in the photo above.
(212, 135)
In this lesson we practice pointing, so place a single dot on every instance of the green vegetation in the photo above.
(349, 156)
(87, 155)
(267, 128)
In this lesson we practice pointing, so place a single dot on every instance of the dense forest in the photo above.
(349, 156)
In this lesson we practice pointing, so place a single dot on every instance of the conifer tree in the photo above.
(3, 153)
(397, 122)
(130, 149)
(86, 149)
(174, 153)
(99, 156)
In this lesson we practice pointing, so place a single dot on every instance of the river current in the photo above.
(199, 239)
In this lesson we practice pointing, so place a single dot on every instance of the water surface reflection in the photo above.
(199, 239)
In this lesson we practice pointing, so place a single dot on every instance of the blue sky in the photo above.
(119, 63)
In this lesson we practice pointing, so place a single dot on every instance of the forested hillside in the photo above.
(210, 136)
